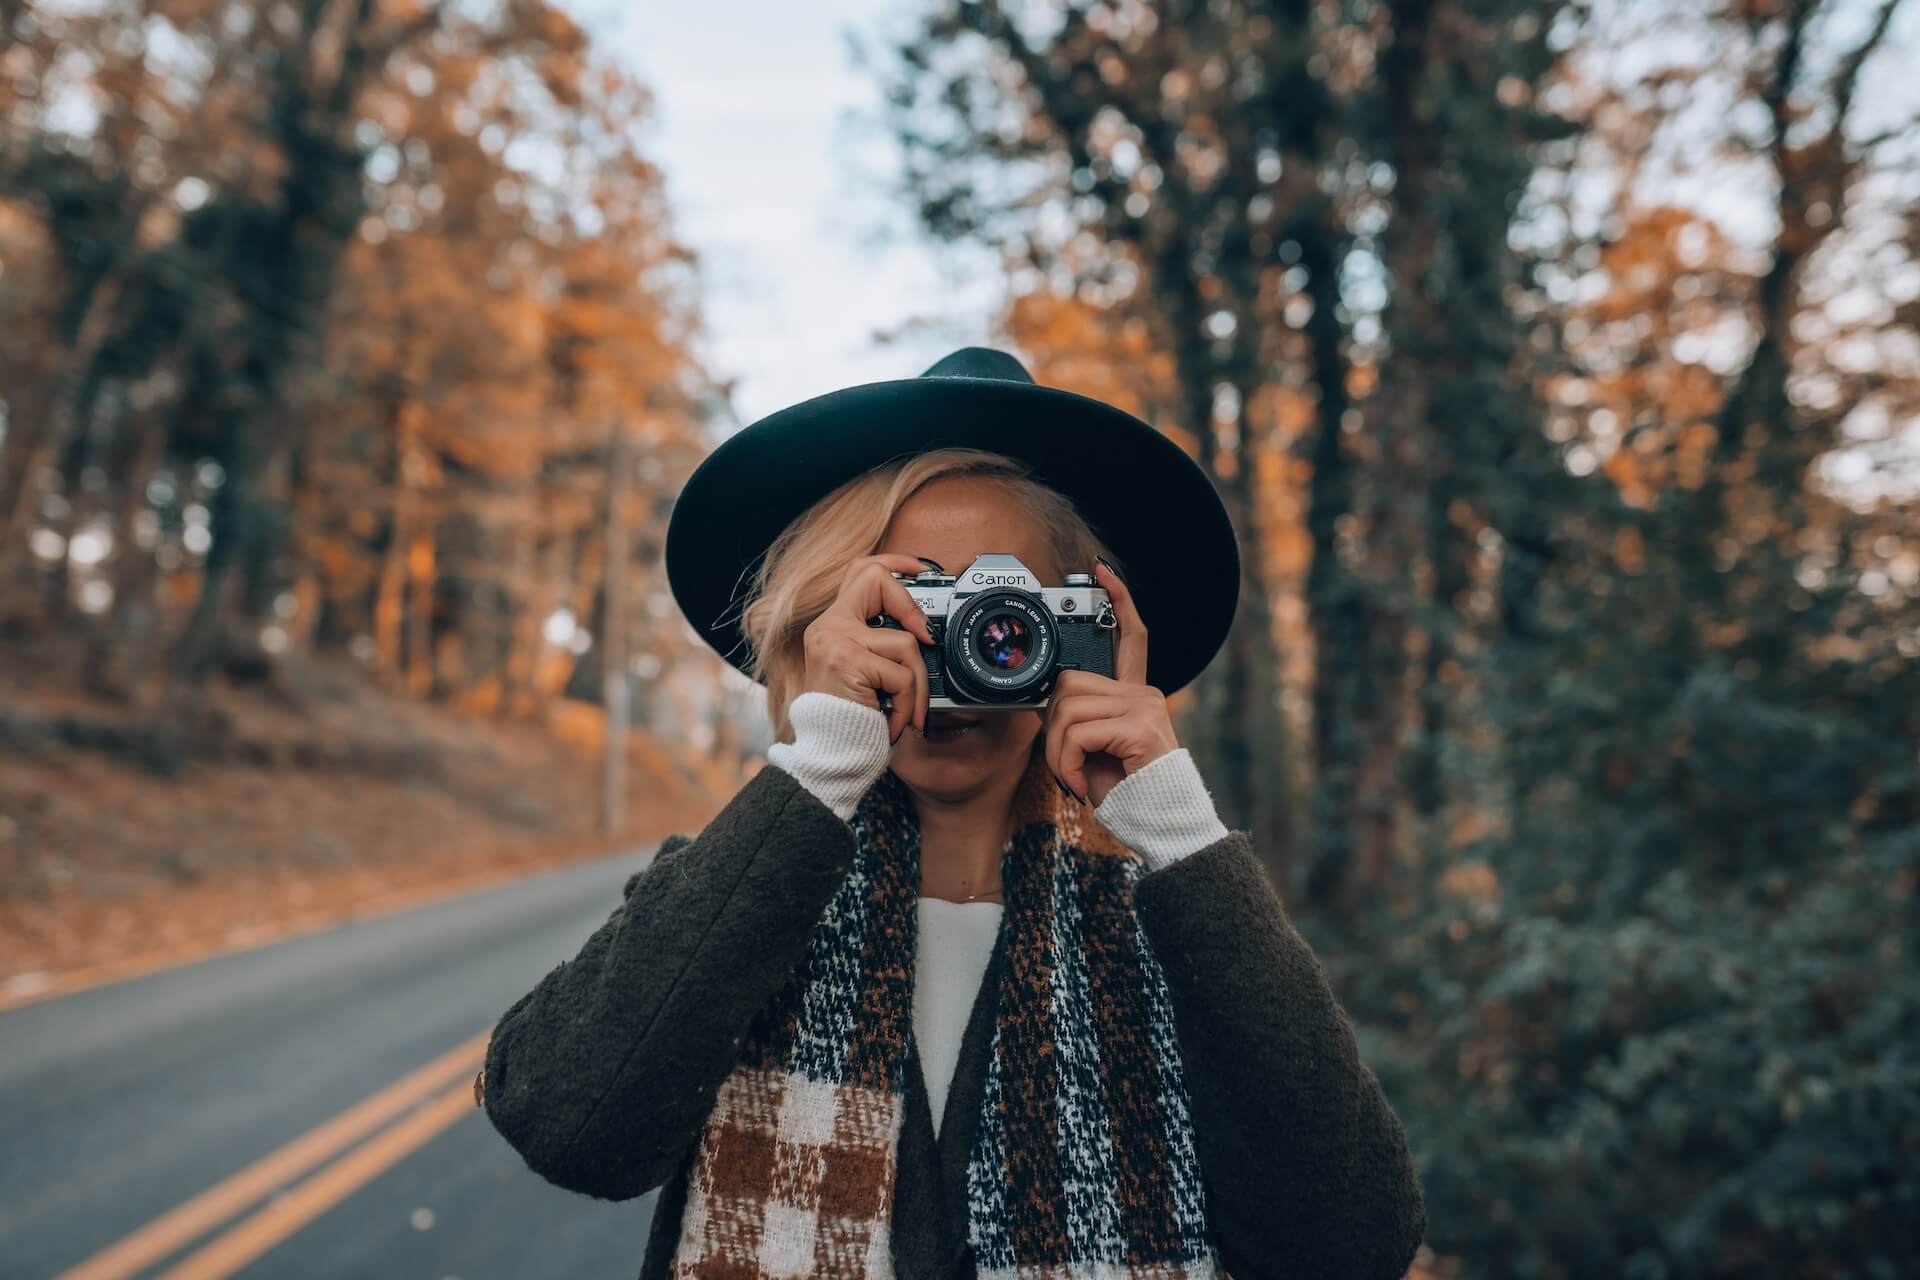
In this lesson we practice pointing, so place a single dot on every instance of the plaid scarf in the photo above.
(1082, 1162)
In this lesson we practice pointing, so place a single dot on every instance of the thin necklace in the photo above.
(972, 896)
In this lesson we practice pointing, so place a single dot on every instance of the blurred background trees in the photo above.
(1555, 362)
(319, 318)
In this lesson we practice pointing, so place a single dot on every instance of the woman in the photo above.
(970, 991)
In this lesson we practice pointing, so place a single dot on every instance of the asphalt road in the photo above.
(303, 1109)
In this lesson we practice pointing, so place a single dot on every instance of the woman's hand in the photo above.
(1100, 729)
(847, 657)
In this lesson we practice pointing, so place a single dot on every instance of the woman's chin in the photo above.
(945, 764)
(959, 766)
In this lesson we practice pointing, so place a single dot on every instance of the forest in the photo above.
(1558, 362)
(321, 319)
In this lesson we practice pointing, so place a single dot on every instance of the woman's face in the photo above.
(952, 520)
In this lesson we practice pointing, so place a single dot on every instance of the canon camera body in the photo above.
(1001, 639)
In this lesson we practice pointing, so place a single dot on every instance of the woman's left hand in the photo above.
(1099, 729)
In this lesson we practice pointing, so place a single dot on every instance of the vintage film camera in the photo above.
(1001, 639)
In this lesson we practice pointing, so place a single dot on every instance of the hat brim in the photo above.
(1147, 500)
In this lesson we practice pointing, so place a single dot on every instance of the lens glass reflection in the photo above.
(1005, 642)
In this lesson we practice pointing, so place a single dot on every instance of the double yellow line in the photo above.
(254, 1235)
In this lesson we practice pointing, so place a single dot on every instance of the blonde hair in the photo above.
(799, 575)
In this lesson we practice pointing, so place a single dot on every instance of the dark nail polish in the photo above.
(1066, 790)
(1110, 569)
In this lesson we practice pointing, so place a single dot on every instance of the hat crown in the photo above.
(979, 362)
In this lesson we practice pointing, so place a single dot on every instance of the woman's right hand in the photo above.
(845, 656)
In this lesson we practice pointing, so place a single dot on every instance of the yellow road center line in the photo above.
(249, 1239)
(189, 1221)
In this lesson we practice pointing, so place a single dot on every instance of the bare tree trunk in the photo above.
(1337, 611)
(122, 642)
(37, 447)
(613, 638)
(420, 573)
(526, 623)
(389, 600)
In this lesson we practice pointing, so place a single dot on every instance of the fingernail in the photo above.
(1110, 569)
(1066, 790)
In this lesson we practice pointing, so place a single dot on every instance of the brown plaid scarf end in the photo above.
(807, 1168)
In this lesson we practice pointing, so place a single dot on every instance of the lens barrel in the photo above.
(1000, 646)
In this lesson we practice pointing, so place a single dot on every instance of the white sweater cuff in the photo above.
(839, 749)
(1162, 811)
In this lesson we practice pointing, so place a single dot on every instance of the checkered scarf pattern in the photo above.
(1082, 1162)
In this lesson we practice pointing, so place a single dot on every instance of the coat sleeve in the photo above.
(1306, 1167)
(602, 1075)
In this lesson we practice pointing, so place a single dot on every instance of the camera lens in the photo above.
(1000, 647)
(1005, 641)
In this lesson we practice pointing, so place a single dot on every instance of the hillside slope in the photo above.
(131, 837)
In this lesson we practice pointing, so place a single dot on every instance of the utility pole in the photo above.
(613, 654)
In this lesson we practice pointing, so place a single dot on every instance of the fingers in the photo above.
(847, 655)
(922, 690)
(1066, 750)
(1092, 715)
(904, 651)
(871, 664)
(1084, 738)
(896, 681)
(870, 588)
(887, 560)
(1130, 651)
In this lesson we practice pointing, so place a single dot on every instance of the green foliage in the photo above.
(1685, 1038)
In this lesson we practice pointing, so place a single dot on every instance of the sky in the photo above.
(769, 175)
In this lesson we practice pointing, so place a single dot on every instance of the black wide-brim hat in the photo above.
(1146, 499)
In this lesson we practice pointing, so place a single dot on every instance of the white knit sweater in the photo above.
(840, 748)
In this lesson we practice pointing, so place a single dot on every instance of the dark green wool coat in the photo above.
(602, 1076)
